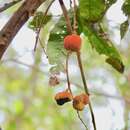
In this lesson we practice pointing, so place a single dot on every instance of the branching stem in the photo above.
(39, 29)
(8, 5)
(69, 27)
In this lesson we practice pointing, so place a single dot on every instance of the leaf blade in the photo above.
(123, 28)
(105, 47)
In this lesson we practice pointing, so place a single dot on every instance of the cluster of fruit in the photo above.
(78, 101)
(72, 43)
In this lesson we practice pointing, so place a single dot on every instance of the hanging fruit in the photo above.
(72, 42)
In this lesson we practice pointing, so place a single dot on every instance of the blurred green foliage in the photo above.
(27, 101)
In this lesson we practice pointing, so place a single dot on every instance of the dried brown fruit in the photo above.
(85, 98)
(63, 97)
(80, 101)
(78, 104)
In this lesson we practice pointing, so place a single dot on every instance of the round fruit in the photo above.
(85, 98)
(63, 97)
(78, 104)
(72, 42)
(80, 101)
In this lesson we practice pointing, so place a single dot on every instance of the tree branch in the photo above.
(18, 19)
(8, 5)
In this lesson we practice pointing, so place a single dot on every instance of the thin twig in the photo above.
(69, 28)
(8, 5)
(92, 92)
(36, 41)
(75, 19)
(82, 120)
(86, 88)
(39, 29)
(43, 48)
(67, 73)
(68, 23)
(21, 63)
(82, 73)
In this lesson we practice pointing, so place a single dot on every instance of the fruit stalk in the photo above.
(67, 73)
(82, 120)
(69, 28)
(68, 23)
(85, 87)
(75, 19)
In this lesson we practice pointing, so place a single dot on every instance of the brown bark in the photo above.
(18, 19)
(8, 5)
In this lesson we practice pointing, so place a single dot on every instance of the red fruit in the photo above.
(72, 42)
(63, 97)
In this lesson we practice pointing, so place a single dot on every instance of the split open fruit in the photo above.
(63, 97)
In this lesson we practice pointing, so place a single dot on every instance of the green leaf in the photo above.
(55, 48)
(39, 20)
(116, 63)
(92, 10)
(123, 28)
(110, 2)
(105, 47)
(90, 13)
(126, 7)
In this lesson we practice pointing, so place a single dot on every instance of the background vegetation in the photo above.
(27, 98)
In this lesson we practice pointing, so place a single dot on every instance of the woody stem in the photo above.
(85, 87)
